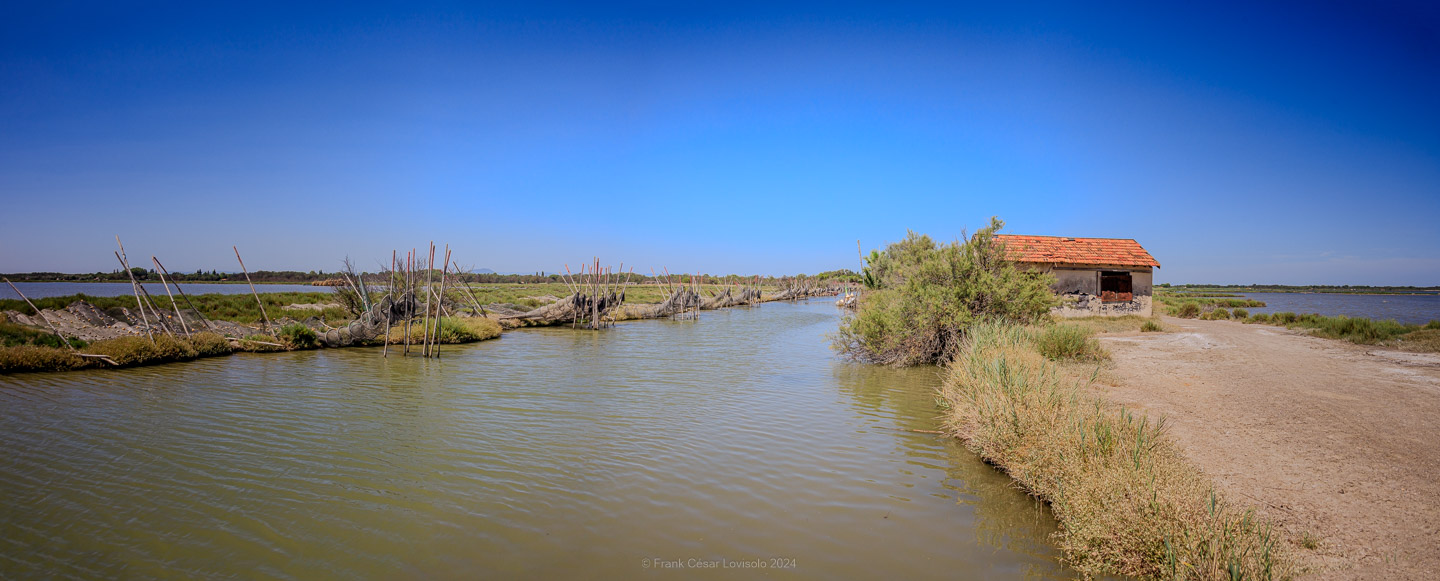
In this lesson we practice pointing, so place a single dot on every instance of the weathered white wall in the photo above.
(1079, 291)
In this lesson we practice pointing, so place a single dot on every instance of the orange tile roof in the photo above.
(1055, 249)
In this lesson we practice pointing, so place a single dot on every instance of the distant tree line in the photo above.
(297, 277)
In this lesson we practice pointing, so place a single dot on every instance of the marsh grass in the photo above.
(1127, 501)
(1186, 310)
(452, 330)
(238, 308)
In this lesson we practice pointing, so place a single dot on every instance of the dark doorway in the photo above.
(1115, 287)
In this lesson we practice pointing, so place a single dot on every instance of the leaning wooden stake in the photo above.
(145, 294)
(186, 297)
(139, 303)
(263, 316)
(173, 304)
(63, 340)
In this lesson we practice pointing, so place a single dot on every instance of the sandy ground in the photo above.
(1324, 437)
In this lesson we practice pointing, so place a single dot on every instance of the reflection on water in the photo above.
(549, 453)
(1002, 518)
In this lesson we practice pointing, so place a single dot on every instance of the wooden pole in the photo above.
(440, 300)
(385, 351)
(263, 316)
(187, 298)
(149, 302)
(410, 290)
(63, 340)
(173, 304)
(139, 303)
(429, 266)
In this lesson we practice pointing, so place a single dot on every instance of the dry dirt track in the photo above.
(1324, 437)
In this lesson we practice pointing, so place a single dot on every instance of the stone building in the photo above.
(1093, 276)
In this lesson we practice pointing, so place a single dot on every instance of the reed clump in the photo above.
(1127, 501)
(1069, 342)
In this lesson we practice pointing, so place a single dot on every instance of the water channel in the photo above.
(651, 450)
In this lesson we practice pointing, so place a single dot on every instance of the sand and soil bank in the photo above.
(1328, 439)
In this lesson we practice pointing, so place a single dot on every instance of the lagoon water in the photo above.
(1414, 309)
(38, 290)
(645, 451)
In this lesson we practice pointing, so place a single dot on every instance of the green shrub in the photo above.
(1061, 342)
(1433, 324)
(1240, 314)
(1218, 315)
(1282, 318)
(924, 297)
(1258, 318)
(1187, 310)
(298, 336)
(1151, 327)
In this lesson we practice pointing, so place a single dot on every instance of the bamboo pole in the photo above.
(173, 304)
(186, 297)
(139, 303)
(63, 340)
(263, 316)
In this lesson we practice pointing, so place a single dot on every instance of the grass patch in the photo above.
(15, 335)
(1240, 314)
(1127, 501)
(1069, 342)
(1151, 326)
(1425, 340)
(1217, 315)
(1123, 324)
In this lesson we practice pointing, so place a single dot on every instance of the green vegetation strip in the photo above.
(25, 351)
(1127, 500)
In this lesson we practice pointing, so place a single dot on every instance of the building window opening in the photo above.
(1115, 287)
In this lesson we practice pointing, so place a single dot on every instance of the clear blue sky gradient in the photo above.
(1274, 143)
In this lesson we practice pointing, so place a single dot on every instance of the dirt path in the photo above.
(1327, 438)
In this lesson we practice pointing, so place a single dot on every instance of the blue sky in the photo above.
(1270, 143)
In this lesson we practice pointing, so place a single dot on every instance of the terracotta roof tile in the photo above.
(1055, 249)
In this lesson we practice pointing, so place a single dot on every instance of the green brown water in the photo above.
(546, 454)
